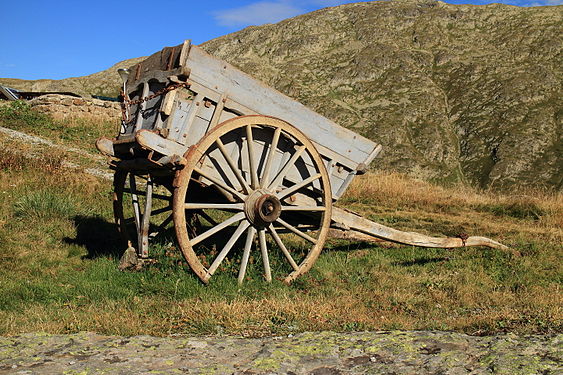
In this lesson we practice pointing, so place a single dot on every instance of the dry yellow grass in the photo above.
(47, 285)
(395, 189)
(393, 192)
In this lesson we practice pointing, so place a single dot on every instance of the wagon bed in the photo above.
(219, 92)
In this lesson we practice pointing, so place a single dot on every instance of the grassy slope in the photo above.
(59, 251)
(79, 132)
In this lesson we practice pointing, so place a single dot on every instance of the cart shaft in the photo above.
(346, 221)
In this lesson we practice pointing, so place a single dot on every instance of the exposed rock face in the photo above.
(453, 92)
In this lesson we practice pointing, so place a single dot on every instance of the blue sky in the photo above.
(60, 39)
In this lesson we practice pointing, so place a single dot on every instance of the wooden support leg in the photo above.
(144, 232)
(135, 202)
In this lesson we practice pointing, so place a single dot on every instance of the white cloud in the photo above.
(257, 13)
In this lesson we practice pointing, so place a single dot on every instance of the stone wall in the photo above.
(65, 106)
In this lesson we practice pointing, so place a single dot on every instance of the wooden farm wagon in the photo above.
(234, 164)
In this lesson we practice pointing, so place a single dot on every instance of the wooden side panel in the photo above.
(253, 94)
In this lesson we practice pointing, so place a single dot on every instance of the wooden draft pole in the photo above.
(355, 226)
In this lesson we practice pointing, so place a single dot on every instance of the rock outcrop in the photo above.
(318, 353)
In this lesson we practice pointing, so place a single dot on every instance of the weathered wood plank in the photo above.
(153, 141)
(249, 92)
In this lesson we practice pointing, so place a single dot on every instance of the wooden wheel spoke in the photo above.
(285, 170)
(222, 185)
(284, 193)
(251, 160)
(163, 225)
(303, 208)
(161, 210)
(217, 206)
(228, 246)
(207, 217)
(250, 235)
(271, 153)
(154, 195)
(234, 219)
(233, 166)
(143, 233)
(282, 247)
(264, 251)
(296, 231)
(135, 201)
(162, 197)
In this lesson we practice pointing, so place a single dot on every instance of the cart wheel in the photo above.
(133, 194)
(258, 176)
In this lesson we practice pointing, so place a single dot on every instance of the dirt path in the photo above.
(322, 353)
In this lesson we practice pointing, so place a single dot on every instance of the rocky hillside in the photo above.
(453, 92)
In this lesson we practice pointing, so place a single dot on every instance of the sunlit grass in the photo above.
(77, 132)
(59, 253)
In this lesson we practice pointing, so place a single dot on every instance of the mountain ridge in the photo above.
(453, 92)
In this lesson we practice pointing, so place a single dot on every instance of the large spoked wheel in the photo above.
(142, 208)
(252, 177)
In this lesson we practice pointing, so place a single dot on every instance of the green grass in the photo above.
(43, 204)
(59, 252)
(78, 132)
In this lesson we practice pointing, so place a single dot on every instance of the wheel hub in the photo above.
(262, 208)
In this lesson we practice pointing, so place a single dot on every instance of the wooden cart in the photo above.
(231, 160)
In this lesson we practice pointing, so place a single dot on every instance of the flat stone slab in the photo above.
(316, 353)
